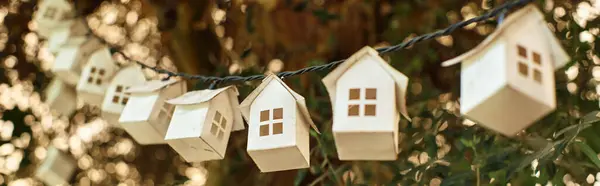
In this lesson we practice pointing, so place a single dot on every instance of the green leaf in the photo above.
(466, 142)
(589, 152)
(300, 176)
(591, 117)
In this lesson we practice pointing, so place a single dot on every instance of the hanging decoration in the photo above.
(278, 126)
(57, 168)
(53, 14)
(70, 60)
(115, 96)
(95, 77)
(60, 97)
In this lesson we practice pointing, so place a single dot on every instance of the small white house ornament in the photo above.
(70, 60)
(95, 77)
(368, 98)
(57, 168)
(278, 126)
(146, 116)
(507, 81)
(116, 96)
(60, 97)
(202, 122)
(53, 14)
(75, 34)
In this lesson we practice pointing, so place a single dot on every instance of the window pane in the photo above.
(221, 134)
(217, 117)
(98, 81)
(264, 130)
(352, 110)
(522, 51)
(264, 115)
(370, 110)
(278, 113)
(115, 99)
(119, 88)
(90, 80)
(371, 93)
(93, 70)
(125, 99)
(214, 129)
(537, 58)
(223, 122)
(277, 128)
(537, 75)
(354, 94)
(101, 72)
(523, 69)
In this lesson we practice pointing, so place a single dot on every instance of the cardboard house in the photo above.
(95, 77)
(507, 81)
(71, 58)
(73, 35)
(146, 115)
(57, 168)
(53, 14)
(202, 122)
(116, 96)
(278, 126)
(60, 97)
(368, 98)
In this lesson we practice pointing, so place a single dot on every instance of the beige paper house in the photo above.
(507, 81)
(60, 97)
(368, 97)
(202, 122)
(57, 168)
(73, 35)
(53, 14)
(71, 58)
(146, 115)
(278, 126)
(95, 77)
(115, 97)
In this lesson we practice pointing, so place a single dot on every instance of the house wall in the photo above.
(221, 104)
(302, 136)
(187, 121)
(274, 95)
(140, 107)
(355, 77)
(91, 92)
(127, 77)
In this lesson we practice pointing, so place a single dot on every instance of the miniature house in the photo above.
(368, 98)
(278, 126)
(95, 77)
(507, 81)
(146, 115)
(57, 168)
(60, 97)
(116, 97)
(73, 35)
(202, 121)
(53, 14)
(71, 58)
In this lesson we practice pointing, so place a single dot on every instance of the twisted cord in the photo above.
(236, 79)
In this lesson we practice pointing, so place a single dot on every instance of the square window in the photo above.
(217, 117)
(354, 94)
(119, 88)
(264, 115)
(371, 93)
(522, 51)
(537, 75)
(115, 99)
(214, 129)
(277, 128)
(523, 69)
(125, 99)
(101, 72)
(223, 122)
(264, 130)
(537, 59)
(90, 80)
(221, 134)
(278, 113)
(98, 81)
(352, 110)
(370, 110)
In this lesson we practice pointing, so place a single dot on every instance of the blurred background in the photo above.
(246, 37)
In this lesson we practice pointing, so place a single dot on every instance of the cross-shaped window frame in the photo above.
(96, 75)
(271, 122)
(50, 12)
(218, 125)
(120, 96)
(362, 102)
(528, 60)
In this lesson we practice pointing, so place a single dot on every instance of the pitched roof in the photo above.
(300, 103)
(151, 86)
(400, 79)
(201, 96)
(526, 13)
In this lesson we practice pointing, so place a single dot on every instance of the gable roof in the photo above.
(400, 79)
(152, 85)
(201, 96)
(300, 103)
(527, 13)
(101, 56)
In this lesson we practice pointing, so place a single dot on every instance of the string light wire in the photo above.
(214, 80)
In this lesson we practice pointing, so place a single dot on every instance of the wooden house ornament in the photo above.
(57, 168)
(278, 126)
(202, 122)
(116, 97)
(368, 98)
(70, 60)
(95, 77)
(146, 115)
(53, 14)
(60, 97)
(507, 81)
(73, 35)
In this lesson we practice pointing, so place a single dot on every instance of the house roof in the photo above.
(151, 86)
(300, 103)
(524, 14)
(101, 56)
(400, 79)
(201, 96)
